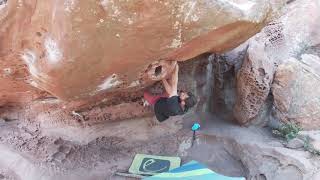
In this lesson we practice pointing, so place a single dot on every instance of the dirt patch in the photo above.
(56, 155)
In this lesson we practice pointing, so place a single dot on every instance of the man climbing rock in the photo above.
(171, 103)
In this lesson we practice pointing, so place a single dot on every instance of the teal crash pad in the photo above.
(192, 171)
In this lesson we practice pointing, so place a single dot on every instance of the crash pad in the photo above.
(150, 165)
(192, 171)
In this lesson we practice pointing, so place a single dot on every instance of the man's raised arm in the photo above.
(167, 87)
(174, 79)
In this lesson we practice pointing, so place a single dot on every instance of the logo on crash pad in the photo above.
(152, 165)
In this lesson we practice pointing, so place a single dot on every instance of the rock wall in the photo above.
(253, 83)
(114, 107)
(296, 91)
(79, 60)
(82, 49)
(286, 38)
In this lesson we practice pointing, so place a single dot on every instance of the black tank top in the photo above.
(166, 107)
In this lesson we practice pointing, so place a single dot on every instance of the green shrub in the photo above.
(287, 131)
(308, 147)
(290, 131)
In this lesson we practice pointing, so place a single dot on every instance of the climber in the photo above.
(171, 103)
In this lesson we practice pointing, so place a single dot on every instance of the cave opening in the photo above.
(158, 70)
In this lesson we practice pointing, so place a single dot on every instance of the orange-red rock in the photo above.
(77, 49)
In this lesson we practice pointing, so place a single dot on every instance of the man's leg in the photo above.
(152, 99)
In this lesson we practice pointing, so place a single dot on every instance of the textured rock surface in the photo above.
(114, 107)
(253, 83)
(287, 37)
(296, 91)
(253, 151)
(33, 151)
(295, 143)
(78, 49)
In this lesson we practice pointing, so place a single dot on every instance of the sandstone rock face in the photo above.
(193, 77)
(287, 37)
(14, 77)
(296, 91)
(253, 83)
(79, 49)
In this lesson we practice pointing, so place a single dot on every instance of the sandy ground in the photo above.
(47, 151)
(30, 151)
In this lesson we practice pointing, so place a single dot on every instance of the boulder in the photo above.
(253, 83)
(80, 49)
(193, 77)
(295, 143)
(279, 41)
(296, 93)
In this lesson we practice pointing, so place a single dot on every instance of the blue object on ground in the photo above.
(195, 127)
(192, 171)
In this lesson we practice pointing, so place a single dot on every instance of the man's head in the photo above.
(187, 100)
